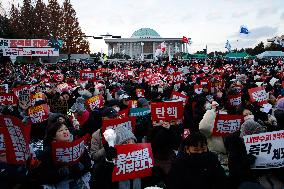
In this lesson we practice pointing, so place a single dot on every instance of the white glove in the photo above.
(110, 136)
(76, 124)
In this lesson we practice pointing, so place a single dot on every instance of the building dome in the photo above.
(145, 33)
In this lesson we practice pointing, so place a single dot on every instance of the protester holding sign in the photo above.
(51, 171)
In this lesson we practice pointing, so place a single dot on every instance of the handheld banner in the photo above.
(95, 102)
(16, 139)
(226, 124)
(179, 96)
(133, 161)
(235, 100)
(140, 93)
(268, 149)
(68, 152)
(8, 99)
(38, 114)
(136, 112)
(259, 95)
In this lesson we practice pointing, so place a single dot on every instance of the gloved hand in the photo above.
(110, 151)
(64, 171)
(110, 136)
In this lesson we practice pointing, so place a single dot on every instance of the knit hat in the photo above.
(280, 104)
(123, 134)
(109, 112)
(142, 102)
(250, 127)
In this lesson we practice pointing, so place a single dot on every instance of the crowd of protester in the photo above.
(200, 160)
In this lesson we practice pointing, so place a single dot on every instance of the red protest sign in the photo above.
(95, 102)
(179, 96)
(37, 97)
(140, 93)
(178, 77)
(133, 161)
(198, 89)
(58, 77)
(128, 122)
(170, 69)
(166, 111)
(235, 100)
(226, 124)
(8, 99)
(87, 75)
(68, 153)
(38, 114)
(16, 139)
(25, 89)
(215, 86)
(259, 95)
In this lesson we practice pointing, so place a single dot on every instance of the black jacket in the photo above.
(197, 172)
(49, 173)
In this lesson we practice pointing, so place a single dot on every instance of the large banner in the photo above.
(166, 111)
(226, 124)
(179, 96)
(8, 99)
(38, 114)
(133, 161)
(30, 52)
(16, 137)
(95, 102)
(268, 149)
(68, 152)
(259, 95)
(14, 43)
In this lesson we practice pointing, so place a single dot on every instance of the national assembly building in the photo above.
(145, 42)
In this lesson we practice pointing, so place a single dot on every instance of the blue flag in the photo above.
(228, 46)
(244, 30)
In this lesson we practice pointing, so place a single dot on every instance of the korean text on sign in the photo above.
(268, 149)
(16, 139)
(133, 161)
(38, 114)
(226, 124)
(68, 152)
(167, 111)
(259, 95)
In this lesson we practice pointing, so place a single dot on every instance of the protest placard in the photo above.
(95, 102)
(259, 95)
(38, 114)
(8, 99)
(133, 161)
(267, 147)
(136, 112)
(226, 124)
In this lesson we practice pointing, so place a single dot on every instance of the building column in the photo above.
(154, 50)
(131, 52)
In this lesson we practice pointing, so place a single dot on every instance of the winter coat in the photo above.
(279, 115)
(197, 172)
(206, 125)
(50, 173)
(97, 150)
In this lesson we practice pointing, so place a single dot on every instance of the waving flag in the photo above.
(228, 46)
(244, 30)
(186, 40)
